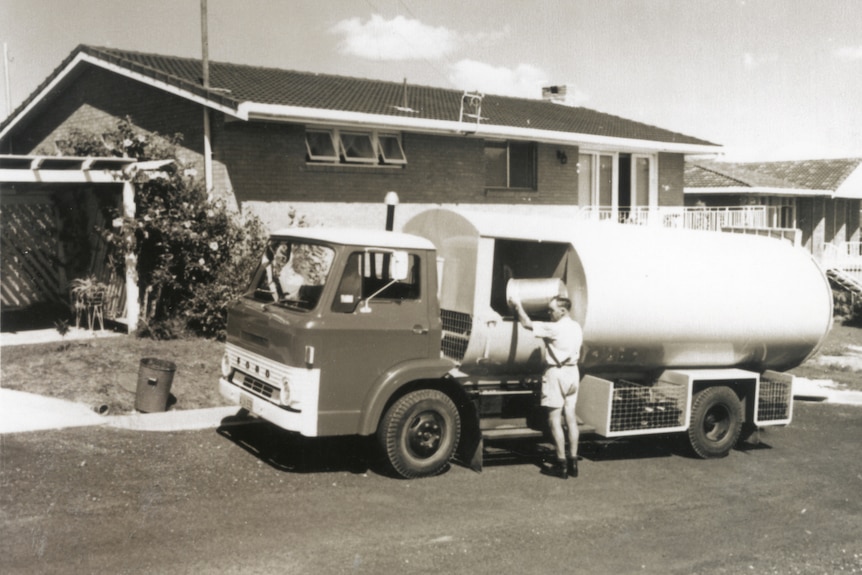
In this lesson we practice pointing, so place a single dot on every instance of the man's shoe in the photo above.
(572, 467)
(557, 469)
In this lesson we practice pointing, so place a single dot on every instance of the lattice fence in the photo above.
(29, 252)
(32, 269)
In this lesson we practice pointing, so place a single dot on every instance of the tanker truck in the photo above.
(408, 336)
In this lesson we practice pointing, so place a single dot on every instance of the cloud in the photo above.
(396, 39)
(407, 39)
(848, 53)
(524, 81)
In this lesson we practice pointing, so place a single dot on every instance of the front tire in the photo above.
(716, 422)
(419, 433)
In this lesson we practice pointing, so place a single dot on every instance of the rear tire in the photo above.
(716, 422)
(419, 433)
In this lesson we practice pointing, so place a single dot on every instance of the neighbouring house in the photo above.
(816, 202)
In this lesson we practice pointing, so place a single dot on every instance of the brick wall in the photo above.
(266, 163)
(97, 100)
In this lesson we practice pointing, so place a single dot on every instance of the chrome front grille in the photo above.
(257, 386)
(256, 373)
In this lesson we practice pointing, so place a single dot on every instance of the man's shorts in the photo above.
(560, 386)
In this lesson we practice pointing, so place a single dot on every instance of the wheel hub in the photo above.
(716, 424)
(425, 434)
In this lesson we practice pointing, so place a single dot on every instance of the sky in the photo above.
(767, 79)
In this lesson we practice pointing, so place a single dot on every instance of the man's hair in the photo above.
(564, 302)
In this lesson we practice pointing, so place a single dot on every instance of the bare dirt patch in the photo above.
(105, 371)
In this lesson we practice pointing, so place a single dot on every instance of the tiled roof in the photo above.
(233, 84)
(800, 174)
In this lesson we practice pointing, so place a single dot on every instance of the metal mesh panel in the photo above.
(774, 400)
(638, 407)
(456, 333)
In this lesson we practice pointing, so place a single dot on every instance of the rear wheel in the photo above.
(716, 422)
(419, 433)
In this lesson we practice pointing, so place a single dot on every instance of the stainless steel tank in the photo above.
(647, 298)
(535, 294)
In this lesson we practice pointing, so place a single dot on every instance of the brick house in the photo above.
(331, 147)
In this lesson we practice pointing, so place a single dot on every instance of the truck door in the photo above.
(374, 323)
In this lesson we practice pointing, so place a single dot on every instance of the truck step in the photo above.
(516, 428)
(511, 433)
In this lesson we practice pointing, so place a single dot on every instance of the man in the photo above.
(563, 338)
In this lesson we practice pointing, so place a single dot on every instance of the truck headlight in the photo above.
(285, 392)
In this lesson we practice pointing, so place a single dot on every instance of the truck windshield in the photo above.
(292, 274)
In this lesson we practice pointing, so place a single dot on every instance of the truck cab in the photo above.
(332, 322)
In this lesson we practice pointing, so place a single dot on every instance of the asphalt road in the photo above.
(248, 499)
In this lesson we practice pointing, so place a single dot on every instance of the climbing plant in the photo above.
(193, 253)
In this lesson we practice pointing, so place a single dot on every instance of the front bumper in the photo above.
(303, 422)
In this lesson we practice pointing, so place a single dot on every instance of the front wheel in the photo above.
(716, 422)
(419, 433)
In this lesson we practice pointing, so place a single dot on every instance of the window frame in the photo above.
(342, 134)
(397, 138)
(321, 158)
(363, 280)
(533, 175)
(375, 139)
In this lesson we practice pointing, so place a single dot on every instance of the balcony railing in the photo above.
(846, 256)
(695, 218)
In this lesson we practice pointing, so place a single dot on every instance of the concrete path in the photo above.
(52, 335)
(22, 412)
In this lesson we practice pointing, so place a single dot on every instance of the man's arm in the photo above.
(522, 316)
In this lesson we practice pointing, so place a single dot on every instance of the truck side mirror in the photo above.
(399, 266)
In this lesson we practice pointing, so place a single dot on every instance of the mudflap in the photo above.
(471, 452)
(471, 447)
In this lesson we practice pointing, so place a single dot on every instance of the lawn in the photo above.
(105, 371)
(839, 359)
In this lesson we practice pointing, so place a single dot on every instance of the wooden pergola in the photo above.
(27, 184)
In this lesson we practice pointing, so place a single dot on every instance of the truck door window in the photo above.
(368, 272)
(292, 274)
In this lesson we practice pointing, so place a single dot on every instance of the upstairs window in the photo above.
(390, 149)
(335, 146)
(320, 146)
(510, 165)
(358, 148)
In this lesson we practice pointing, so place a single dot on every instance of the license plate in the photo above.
(246, 402)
